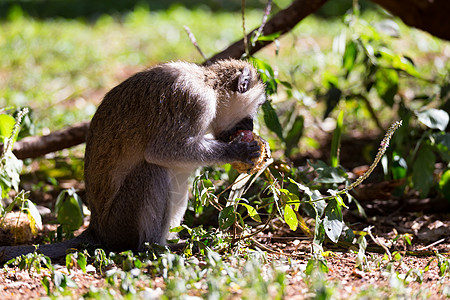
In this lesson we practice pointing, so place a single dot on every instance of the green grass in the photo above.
(62, 68)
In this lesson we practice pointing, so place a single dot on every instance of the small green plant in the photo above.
(57, 282)
(54, 281)
(76, 259)
(101, 260)
(10, 166)
(31, 261)
(315, 278)
(69, 210)
(432, 145)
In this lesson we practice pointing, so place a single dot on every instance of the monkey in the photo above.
(147, 137)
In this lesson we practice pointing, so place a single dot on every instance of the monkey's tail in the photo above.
(56, 250)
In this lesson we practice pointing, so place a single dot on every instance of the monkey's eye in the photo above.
(244, 80)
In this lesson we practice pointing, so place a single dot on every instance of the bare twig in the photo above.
(194, 41)
(431, 245)
(264, 21)
(379, 243)
(246, 49)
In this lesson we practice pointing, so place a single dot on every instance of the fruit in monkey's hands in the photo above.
(258, 162)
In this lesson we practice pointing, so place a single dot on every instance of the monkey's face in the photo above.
(244, 94)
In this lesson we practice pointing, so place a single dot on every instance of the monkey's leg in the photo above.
(178, 200)
(139, 210)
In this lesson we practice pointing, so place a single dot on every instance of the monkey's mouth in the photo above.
(244, 124)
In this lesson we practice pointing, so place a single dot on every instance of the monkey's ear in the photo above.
(244, 80)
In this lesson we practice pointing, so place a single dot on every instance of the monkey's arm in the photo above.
(195, 152)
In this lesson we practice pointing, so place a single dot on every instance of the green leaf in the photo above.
(423, 169)
(340, 201)
(329, 79)
(269, 37)
(442, 143)
(316, 265)
(350, 54)
(226, 217)
(82, 261)
(290, 218)
(336, 141)
(287, 197)
(333, 222)
(252, 212)
(294, 134)
(69, 210)
(433, 118)
(58, 279)
(34, 216)
(267, 75)
(398, 62)
(271, 119)
(386, 84)
(7, 123)
(46, 283)
(405, 64)
(11, 175)
(399, 167)
(332, 97)
(388, 27)
(319, 235)
(361, 259)
(444, 184)
(327, 174)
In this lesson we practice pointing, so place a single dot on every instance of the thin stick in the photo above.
(194, 41)
(247, 50)
(431, 245)
(264, 21)
(378, 242)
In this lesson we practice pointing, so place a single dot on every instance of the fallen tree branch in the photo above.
(282, 22)
(35, 146)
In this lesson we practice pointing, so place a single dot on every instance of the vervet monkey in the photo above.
(148, 136)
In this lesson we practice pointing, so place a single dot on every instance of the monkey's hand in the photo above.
(256, 162)
(244, 150)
